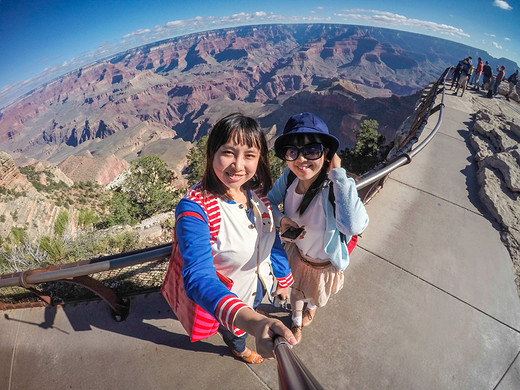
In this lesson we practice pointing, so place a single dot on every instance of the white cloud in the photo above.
(496, 45)
(137, 33)
(397, 21)
(502, 4)
(507, 39)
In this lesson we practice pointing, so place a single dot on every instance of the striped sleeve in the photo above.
(286, 281)
(226, 311)
(209, 203)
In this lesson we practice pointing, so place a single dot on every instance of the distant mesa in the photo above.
(176, 89)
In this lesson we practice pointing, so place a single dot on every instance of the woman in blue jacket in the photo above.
(316, 194)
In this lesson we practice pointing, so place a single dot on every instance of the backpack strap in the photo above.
(290, 178)
(332, 199)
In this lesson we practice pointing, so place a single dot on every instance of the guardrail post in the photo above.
(120, 306)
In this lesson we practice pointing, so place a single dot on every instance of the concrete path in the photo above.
(429, 303)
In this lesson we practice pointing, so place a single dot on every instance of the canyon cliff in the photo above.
(159, 98)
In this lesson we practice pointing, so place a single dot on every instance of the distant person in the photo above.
(317, 195)
(512, 79)
(478, 72)
(456, 73)
(487, 74)
(464, 76)
(225, 224)
(500, 76)
(470, 73)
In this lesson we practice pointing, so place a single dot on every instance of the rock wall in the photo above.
(495, 140)
(22, 206)
(10, 176)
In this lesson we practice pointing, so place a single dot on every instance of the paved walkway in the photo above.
(429, 303)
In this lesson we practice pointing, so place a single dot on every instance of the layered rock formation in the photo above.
(495, 140)
(23, 207)
(163, 96)
(10, 176)
(87, 168)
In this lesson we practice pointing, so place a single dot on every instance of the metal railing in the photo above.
(108, 286)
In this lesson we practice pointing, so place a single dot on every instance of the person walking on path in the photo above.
(487, 74)
(478, 72)
(318, 196)
(456, 73)
(500, 76)
(464, 76)
(226, 225)
(512, 79)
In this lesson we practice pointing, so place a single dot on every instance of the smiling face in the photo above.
(306, 170)
(235, 163)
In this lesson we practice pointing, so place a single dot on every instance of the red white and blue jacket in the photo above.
(199, 244)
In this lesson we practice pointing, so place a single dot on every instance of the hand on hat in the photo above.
(335, 162)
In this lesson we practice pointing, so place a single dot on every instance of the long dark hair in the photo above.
(321, 180)
(244, 130)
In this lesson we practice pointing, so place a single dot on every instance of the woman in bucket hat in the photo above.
(317, 195)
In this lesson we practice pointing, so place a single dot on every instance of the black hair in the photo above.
(244, 130)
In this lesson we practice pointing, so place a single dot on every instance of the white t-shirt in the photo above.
(313, 219)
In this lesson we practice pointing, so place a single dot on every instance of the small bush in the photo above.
(61, 223)
(19, 235)
(54, 247)
(87, 218)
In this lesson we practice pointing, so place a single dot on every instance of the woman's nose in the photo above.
(239, 162)
(300, 157)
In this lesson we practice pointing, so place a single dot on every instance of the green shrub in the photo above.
(366, 153)
(61, 223)
(197, 161)
(19, 235)
(86, 218)
(54, 247)
(146, 191)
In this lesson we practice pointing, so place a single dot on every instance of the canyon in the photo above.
(158, 99)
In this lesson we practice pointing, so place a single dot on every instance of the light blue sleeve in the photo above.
(277, 195)
(351, 215)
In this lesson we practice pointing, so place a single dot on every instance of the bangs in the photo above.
(300, 140)
(245, 136)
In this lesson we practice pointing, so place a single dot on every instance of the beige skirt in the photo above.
(318, 281)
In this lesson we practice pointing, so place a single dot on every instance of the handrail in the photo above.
(292, 373)
(406, 158)
(101, 264)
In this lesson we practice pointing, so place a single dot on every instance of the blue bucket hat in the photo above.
(305, 123)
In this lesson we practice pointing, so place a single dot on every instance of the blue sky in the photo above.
(43, 39)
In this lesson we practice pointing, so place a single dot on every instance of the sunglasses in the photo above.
(309, 152)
